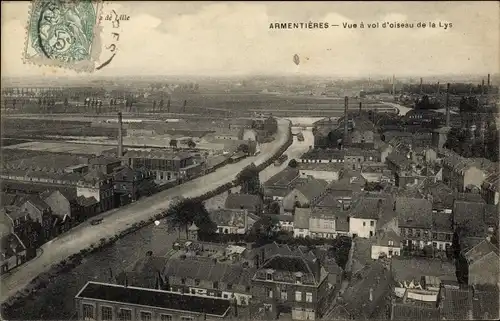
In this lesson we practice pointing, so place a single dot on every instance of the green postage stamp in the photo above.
(63, 33)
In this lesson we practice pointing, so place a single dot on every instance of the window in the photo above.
(125, 314)
(185, 318)
(269, 276)
(309, 297)
(165, 317)
(196, 282)
(229, 286)
(391, 243)
(183, 281)
(145, 316)
(270, 293)
(364, 223)
(434, 236)
(298, 279)
(106, 313)
(372, 223)
(216, 285)
(448, 237)
(298, 296)
(88, 312)
(284, 294)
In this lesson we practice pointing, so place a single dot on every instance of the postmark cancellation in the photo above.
(63, 33)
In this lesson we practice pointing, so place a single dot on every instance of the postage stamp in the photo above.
(64, 33)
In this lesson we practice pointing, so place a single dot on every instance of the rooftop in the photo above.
(414, 212)
(243, 201)
(313, 188)
(284, 177)
(154, 298)
(481, 250)
(229, 217)
(301, 218)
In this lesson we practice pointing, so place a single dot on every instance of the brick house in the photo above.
(482, 261)
(414, 221)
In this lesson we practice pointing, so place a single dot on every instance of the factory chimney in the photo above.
(482, 87)
(489, 81)
(393, 85)
(360, 105)
(421, 84)
(120, 135)
(346, 117)
(447, 105)
(438, 88)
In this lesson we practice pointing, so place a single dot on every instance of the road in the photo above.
(114, 221)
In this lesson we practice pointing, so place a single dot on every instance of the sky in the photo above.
(224, 39)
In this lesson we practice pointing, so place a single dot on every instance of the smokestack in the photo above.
(448, 105)
(346, 117)
(421, 84)
(482, 87)
(438, 88)
(393, 85)
(489, 81)
(120, 135)
(360, 105)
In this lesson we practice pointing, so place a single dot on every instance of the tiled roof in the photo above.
(402, 311)
(301, 218)
(229, 217)
(156, 154)
(383, 238)
(455, 304)
(485, 304)
(313, 188)
(103, 160)
(414, 212)
(324, 154)
(280, 217)
(368, 208)
(286, 267)
(245, 201)
(398, 159)
(38, 203)
(442, 195)
(471, 214)
(86, 201)
(332, 198)
(481, 250)
(154, 298)
(492, 181)
(327, 167)
(442, 222)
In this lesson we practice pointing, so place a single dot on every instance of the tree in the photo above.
(173, 143)
(293, 163)
(265, 228)
(340, 250)
(249, 180)
(274, 208)
(182, 214)
(191, 143)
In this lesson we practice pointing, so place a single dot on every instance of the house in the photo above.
(292, 283)
(470, 303)
(482, 261)
(324, 171)
(367, 298)
(252, 203)
(130, 184)
(305, 194)
(442, 230)
(64, 210)
(13, 252)
(231, 221)
(489, 188)
(388, 244)
(414, 221)
(365, 213)
(38, 211)
(355, 158)
(441, 195)
(301, 222)
(322, 223)
(209, 279)
(103, 301)
(323, 156)
(279, 185)
(473, 216)
(99, 186)
(460, 172)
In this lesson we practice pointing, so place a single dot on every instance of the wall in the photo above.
(292, 197)
(322, 225)
(298, 233)
(485, 270)
(356, 227)
(89, 192)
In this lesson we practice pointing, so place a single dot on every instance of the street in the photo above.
(114, 221)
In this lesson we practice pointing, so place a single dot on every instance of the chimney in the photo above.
(482, 87)
(371, 294)
(393, 85)
(439, 87)
(360, 105)
(317, 272)
(421, 84)
(489, 83)
(120, 135)
(346, 117)
(447, 104)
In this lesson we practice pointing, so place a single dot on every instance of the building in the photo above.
(414, 221)
(105, 165)
(482, 261)
(13, 252)
(322, 223)
(282, 183)
(99, 186)
(328, 172)
(388, 244)
(305, 194)
(365, 213)
(442, 230)
(301, 222)
(323, 156)
(166, 165)
(460, 173)
(292, 283)
(470, 303)
(252, 203)
(65, 212)
(284, 221)
(489, 188)
(231, 221)
(101, 301)
(130, 184)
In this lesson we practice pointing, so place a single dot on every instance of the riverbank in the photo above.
(73, 260)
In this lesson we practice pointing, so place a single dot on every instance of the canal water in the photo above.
(56, 301)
